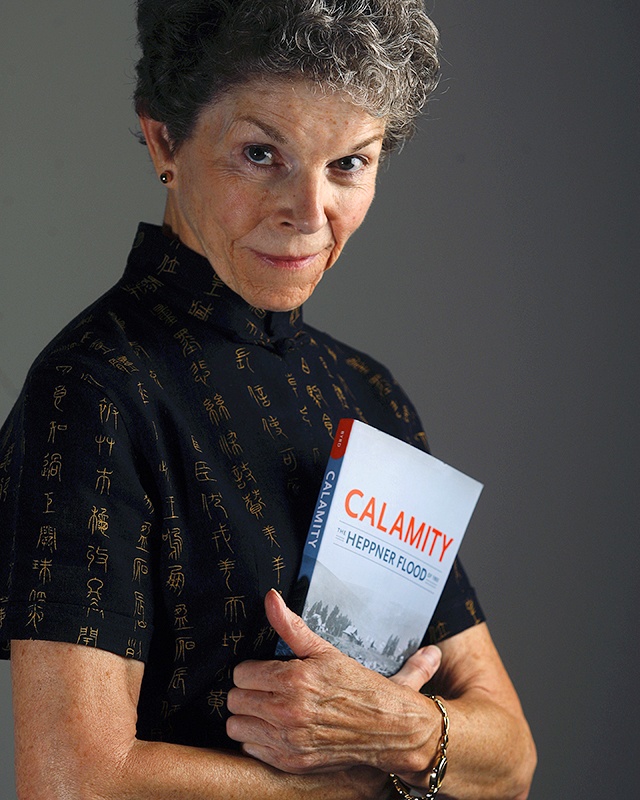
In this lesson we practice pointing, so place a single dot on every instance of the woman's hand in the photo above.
(322, 710)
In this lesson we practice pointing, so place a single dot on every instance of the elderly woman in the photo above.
(160, 467)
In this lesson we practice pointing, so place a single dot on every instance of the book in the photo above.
(387, 526)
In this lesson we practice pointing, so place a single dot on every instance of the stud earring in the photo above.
(166, 177)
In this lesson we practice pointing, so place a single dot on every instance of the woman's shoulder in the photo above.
(381, 400)
(93, 361)
(354, 358)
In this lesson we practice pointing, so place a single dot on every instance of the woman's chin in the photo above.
(272, 300)
(285, 290)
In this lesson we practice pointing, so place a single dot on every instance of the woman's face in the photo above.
(271, 184)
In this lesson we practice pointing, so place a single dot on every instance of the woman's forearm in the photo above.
(155, 771)
(490, 753)
(163, 771)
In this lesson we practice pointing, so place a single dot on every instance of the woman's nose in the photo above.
(304, 203)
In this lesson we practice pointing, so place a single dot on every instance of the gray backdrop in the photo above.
(496, 274)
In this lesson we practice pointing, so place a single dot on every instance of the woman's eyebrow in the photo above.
(377, 137)
(270, 131)
(280, 138)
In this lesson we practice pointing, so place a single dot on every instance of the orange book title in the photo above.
(375, 513)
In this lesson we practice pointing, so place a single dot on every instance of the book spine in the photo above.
(325, 497)
(318, 524)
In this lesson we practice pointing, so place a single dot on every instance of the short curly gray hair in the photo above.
(382, 53)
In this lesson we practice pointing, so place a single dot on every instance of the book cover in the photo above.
(385, 531)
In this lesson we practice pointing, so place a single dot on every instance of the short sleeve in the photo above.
(76, 524)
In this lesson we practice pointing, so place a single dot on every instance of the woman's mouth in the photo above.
(286, 261)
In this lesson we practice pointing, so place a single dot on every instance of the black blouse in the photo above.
(158, 475)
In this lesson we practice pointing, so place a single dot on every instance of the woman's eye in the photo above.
(260, 155)
(350, 163)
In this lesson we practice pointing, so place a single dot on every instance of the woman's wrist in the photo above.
(434, 775)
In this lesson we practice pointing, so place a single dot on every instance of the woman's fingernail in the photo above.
(433, 654)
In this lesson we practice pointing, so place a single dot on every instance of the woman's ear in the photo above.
(159, 144)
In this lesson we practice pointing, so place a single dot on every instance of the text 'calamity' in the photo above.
(423, 537)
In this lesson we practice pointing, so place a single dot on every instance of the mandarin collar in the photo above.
(159, 265)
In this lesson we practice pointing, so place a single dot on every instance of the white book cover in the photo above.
(386, 529)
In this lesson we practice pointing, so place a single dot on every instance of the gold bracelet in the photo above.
(436, 776)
